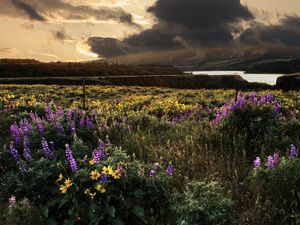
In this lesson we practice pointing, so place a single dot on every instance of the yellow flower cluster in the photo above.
(66, 183)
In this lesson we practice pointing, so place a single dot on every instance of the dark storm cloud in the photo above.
(28, 9)
(59, 10)
(199, 14)
(185, 24)
(108, 47)
(286, 33)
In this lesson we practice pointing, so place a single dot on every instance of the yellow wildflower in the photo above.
(60, 177)
(92, 195)
(87, 191)
(107, 170)
(68, 183)
(100, 188)
(92, 162)
(94, 175)
(117, 174)
(63, 189)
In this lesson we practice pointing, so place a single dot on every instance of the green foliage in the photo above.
(278, 193)
(202, 203)
(22, 214)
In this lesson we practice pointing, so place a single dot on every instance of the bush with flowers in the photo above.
(275, 182)
(48, 163)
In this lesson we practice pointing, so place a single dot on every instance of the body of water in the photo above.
(250, 77)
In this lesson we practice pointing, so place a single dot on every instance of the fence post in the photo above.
(83, 93)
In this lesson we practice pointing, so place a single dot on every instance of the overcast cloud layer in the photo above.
(184, 24)
(59, 10)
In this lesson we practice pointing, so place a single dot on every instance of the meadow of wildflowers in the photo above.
(149, 156)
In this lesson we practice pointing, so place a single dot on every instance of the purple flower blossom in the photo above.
(70, 158)
(81, 122)
(257, 163)
(99, 153)
(59, 127)
(73, 128)
(270, 97)
(40, 126)
(170, 169)
(157, 166)
(14, 151)
(89, 122)
(49, 114)
(241, 101)
(276, 158)
(16, 133)
(103, 178)
(32, 116)
(271, 165)
(46, 150)
(26, 152)
(69, 114)
(293, 152)
(12, 201)
(263, 100)
(294, 116)
(253, 98)
(60, 112)
(277, 107)
(152, 173)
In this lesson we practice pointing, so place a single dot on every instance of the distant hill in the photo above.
(33, 68)
(263, 59)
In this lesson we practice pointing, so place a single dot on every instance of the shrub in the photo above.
(276, 185)
(202, 203)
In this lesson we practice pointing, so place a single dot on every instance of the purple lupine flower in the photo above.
(14, 151)
(12, 201)
(293, 152)
(277, 107)
(257, 163)
(73, 127)
(59, 127)
(157, 166)
(170, 169)
(26, 151)
(99, 153)
(271, 165)
(25, 127)
(123, 171)
(152, 173)
(16, 132)
(46, 150)
(69, 114)
(82, 122)
(241, 101)
(263, 100)
(270, 97)
(103, 178)
(70, 158)
(32, 116)
(52, 147)
(294, 115)
(253, 98)
(232, 106)
(60, 112)
(276, 158)
(40, 126)
(89, 122)
(49, 114)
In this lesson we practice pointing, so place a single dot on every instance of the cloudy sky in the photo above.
(79, 30)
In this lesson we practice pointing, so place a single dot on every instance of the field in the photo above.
(144, 155)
